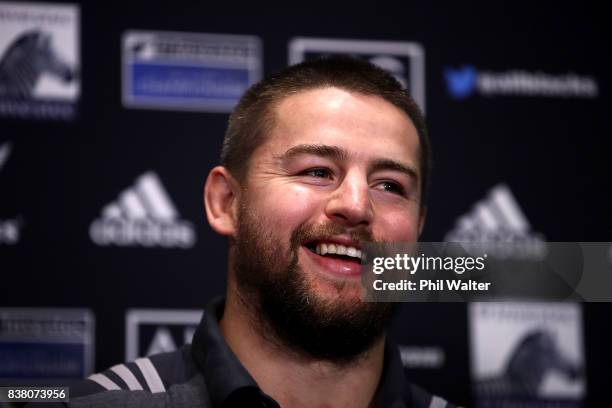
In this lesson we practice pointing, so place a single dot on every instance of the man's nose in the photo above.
(350, 203)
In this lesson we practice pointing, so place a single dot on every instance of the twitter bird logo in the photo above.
(461, 82)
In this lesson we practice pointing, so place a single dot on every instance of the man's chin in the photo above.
(308, 303)
(321, 320)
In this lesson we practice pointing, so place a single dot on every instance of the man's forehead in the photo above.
(335, 103)
(357, 125)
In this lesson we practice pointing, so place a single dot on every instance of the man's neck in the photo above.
(292, 379)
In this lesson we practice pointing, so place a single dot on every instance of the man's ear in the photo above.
(422, 216)
(221, 201)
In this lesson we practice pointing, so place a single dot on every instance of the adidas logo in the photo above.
(10, 229)
(143, 215)
(499, 226)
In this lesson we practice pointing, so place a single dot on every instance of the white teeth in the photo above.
(323, 249)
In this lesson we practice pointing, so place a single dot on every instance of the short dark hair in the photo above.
(252, 118)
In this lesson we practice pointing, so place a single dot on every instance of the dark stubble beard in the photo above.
(286, 310)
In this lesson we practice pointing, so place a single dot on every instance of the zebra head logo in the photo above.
(535, 355)
(29, 56)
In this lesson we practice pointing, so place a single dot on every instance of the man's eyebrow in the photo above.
(332, 152)
(388, 164)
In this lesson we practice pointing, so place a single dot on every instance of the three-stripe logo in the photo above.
(126, 377)
(142, 215)
(498, 219)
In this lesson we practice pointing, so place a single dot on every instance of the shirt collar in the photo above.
(224, 374)
(392, 386)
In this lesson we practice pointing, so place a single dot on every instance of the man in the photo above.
(317, 159)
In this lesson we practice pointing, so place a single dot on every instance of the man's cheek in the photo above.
(399, 227)
(296, 204)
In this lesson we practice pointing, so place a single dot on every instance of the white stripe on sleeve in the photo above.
(104, 381)
(126, 375)
(150, 374)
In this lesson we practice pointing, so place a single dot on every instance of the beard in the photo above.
(287, 310)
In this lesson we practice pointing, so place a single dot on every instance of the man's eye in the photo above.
(392, 187)
(319, 173)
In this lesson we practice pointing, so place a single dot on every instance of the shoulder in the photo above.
(161, 380)
(152, 374)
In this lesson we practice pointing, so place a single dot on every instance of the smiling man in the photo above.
(317, 159)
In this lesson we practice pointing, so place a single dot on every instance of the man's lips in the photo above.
(335, 258)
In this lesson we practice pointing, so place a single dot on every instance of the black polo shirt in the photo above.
(230, 384)
(207, 374)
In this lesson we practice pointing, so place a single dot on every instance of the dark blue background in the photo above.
(553, 153)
